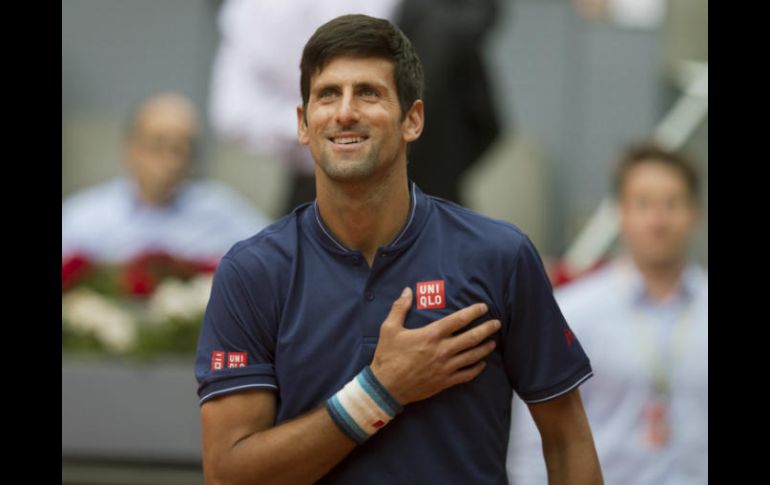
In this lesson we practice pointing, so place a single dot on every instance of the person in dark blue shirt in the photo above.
(377, 334)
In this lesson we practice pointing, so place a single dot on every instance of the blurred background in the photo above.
(571, 82)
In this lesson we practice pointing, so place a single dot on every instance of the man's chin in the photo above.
(662, 259)
(348, 170)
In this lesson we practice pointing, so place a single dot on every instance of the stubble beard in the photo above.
(353, 169)
(662, 256)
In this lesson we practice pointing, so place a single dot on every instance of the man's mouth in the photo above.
(347, 139)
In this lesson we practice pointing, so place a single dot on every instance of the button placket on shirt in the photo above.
(380, 260)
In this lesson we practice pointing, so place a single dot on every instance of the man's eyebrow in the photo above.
(381, 86)
(325, 86)
(356, 85)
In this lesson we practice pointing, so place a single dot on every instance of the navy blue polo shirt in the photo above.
(293, 310)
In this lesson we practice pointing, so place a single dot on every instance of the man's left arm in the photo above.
(568, 445)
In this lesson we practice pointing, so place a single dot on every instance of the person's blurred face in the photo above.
(354, 124)
(160, 148)
(658, 213)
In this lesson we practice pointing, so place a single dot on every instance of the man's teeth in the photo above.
(350, 139)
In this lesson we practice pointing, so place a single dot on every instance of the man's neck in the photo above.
(149, 197)
(662, 280)
(151, 200)
(367, 215)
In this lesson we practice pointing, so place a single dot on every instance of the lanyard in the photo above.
(661, 351)
(661, 356)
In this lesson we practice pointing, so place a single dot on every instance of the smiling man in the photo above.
(376, 335)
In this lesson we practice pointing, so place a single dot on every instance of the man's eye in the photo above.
(327, 93)
(368, 92)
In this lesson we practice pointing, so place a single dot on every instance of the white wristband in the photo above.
(362, 407)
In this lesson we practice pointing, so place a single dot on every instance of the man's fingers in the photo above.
(399, 309)
(459, 319)
(471, 356)
(466, 375)
(473, 337)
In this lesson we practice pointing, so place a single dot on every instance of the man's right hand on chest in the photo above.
(415, 364)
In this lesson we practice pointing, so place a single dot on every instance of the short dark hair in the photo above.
(364, 36)
(651, 152)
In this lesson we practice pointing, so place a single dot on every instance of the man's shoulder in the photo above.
(593, 281)
(590, 292)
(697, 278)
(211, 198)
(102, 197)
(488, 231)
(273, 246)
(212, 193)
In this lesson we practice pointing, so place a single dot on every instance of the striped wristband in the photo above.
(362, 407)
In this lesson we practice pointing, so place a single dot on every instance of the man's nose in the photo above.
(347, 112)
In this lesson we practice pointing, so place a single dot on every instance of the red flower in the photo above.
(138, 281)
(205, 266)
(73, 269)
(143, 273)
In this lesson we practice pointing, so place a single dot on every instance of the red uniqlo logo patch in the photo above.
(430, 294)
(236, 359)
(569, 336)
(217, 360)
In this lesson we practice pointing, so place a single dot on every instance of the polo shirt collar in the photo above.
(637, 288)
(136, 204)
(419, 207)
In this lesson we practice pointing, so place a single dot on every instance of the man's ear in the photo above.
(413, 122)
(302, 135)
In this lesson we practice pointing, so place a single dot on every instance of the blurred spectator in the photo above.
(643, 319)
(156, 208)
(459, 104)
(255, 79)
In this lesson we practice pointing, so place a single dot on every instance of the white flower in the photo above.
(86, 311)
(175, 299)
(200, 290)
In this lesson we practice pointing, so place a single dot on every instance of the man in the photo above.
(336, 347)
(644, 320)
(156, 208)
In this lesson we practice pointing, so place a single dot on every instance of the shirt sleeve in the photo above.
(543, 358)
(236, 347)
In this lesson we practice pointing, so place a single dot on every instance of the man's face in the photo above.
(658, 213)
(160, 149)
(354, 128)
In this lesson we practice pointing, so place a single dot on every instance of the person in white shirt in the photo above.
(643, 319)
(156, 208)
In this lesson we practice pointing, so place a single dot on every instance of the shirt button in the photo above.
(369, 295)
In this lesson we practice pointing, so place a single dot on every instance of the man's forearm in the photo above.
(568, 446)
(295, 452)
(575, 463)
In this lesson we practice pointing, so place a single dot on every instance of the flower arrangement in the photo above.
(151, 305)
